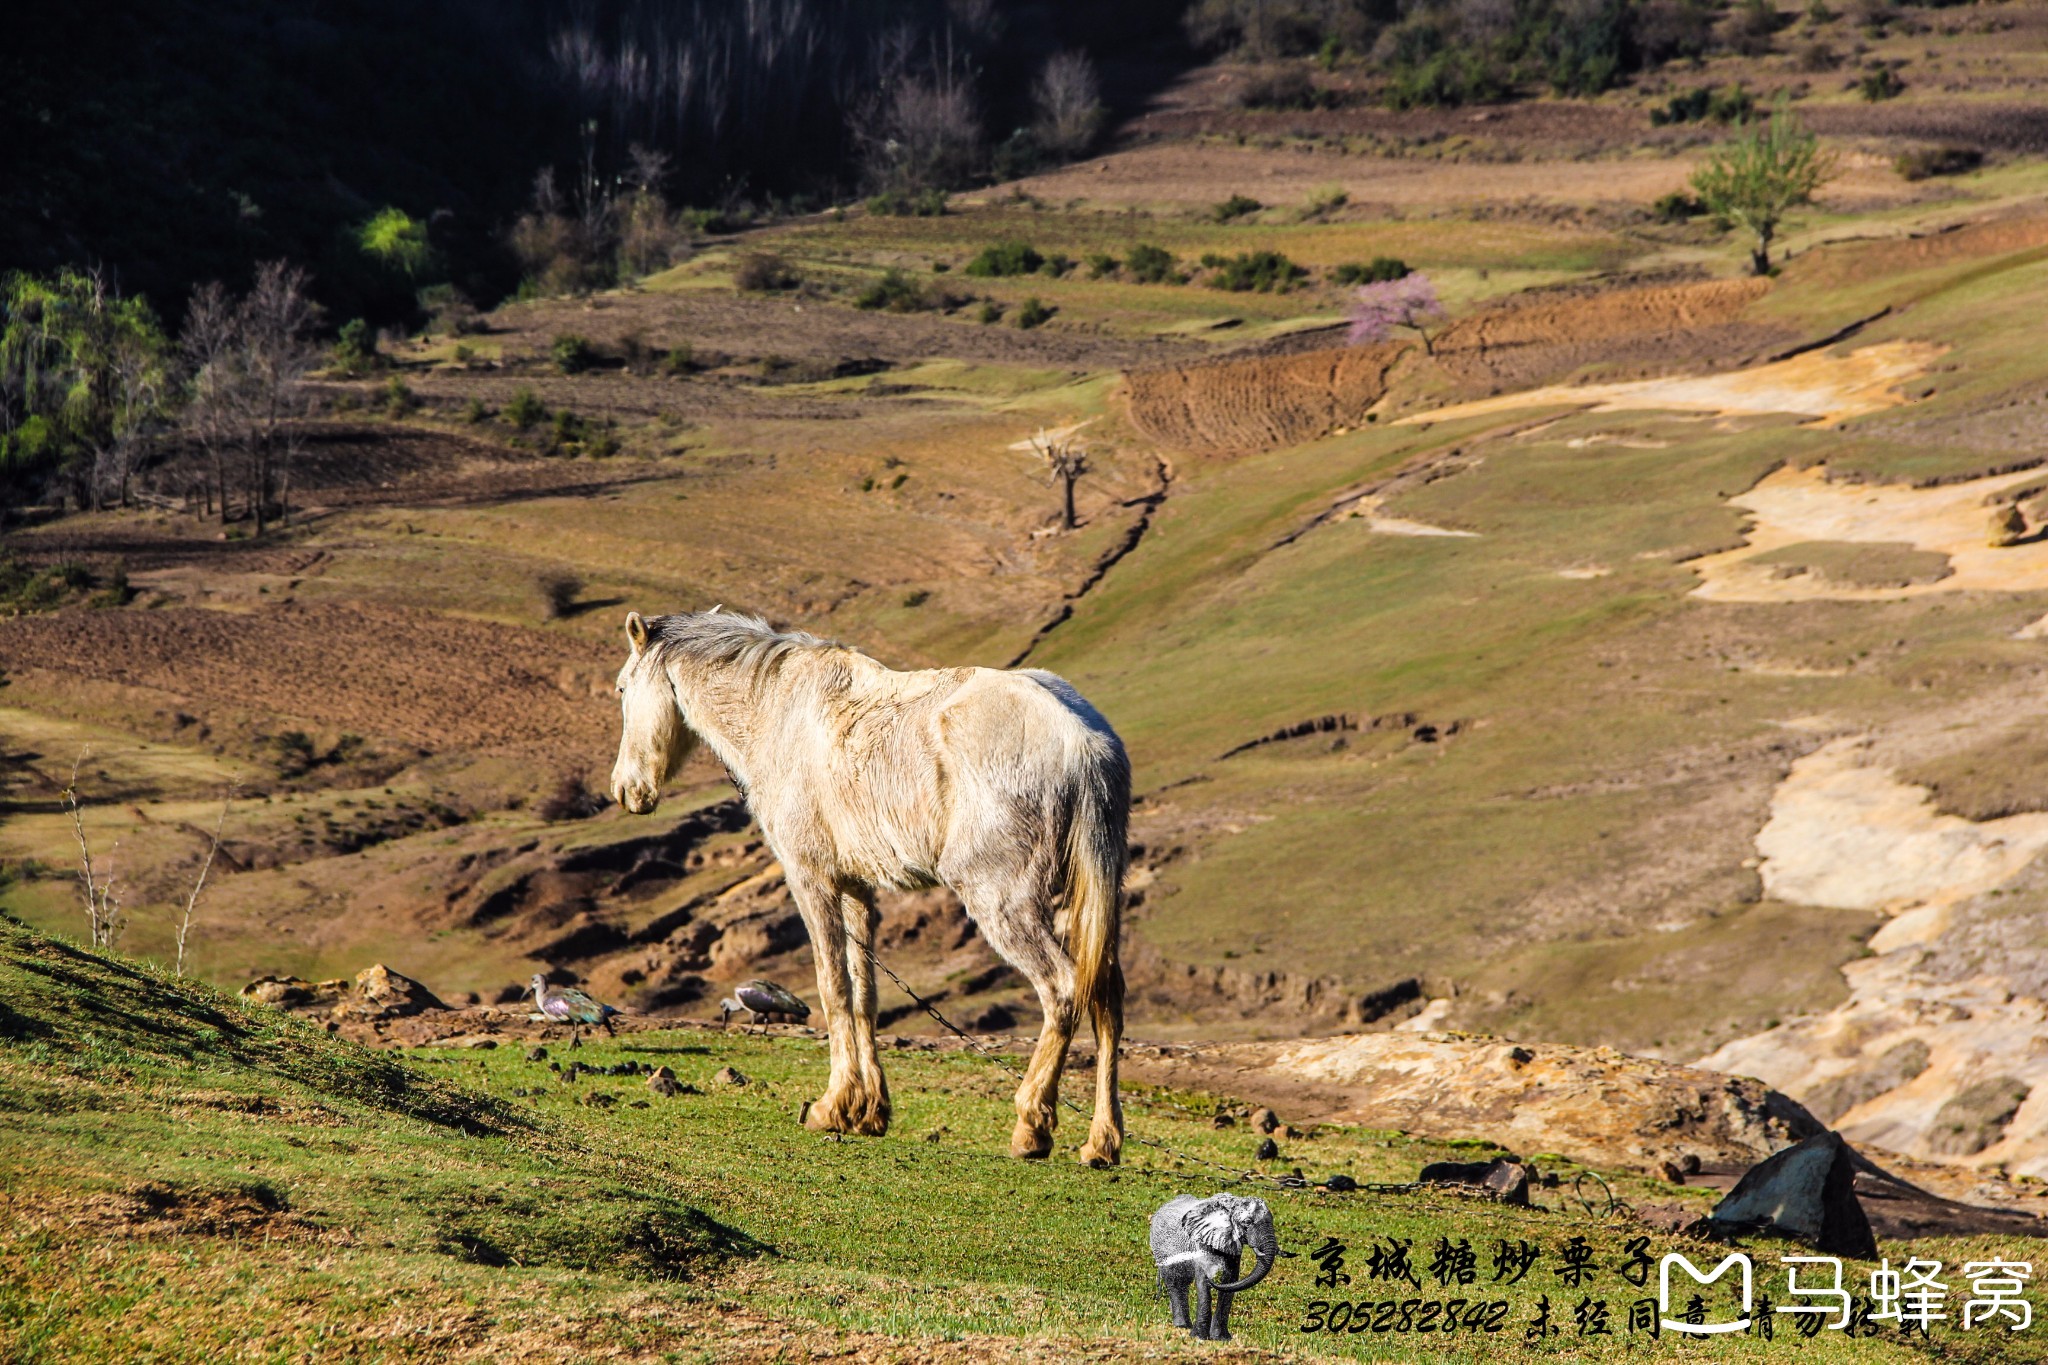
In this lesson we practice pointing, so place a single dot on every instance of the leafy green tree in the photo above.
(396, 239)
(83, 383)
(1755, 180)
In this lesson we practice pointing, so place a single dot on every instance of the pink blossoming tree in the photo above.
(1409, 302)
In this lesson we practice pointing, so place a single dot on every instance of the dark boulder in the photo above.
(1806, 1192)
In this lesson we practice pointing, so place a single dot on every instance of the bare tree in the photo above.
(207, 343)
(248, 362)
(1066, 459)
(1068, 100)
(185, 924)
(277, 321)
(920, 128)
(102, 905)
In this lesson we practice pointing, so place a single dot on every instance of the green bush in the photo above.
(1267, 272)
(680, 360)
(355, 348)
(1005, 258)
(1880, 84)
(572, 354)
(989, 312)
(1732, 104)
(526, 411)
(1032, 314)
(1056, 265)
(568, 427)
(477, 412)
(899, 204)
(1283, 87)
(1677, 207)
(1153, 265)
(1236, 206)
(1101, 265)
(896, 292)
(399, 399)
(1922, 163)
(762, 272)
(1378, 269)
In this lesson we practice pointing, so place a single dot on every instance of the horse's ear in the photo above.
(636, 633)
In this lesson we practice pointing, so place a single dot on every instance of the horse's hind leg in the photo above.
(868, 1107)
(1019, 927)
(1105, 1143)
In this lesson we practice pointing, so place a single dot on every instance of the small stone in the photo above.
(1289, 1131)
(537, 1054)
(640, 1104)
(1671, 1172)
(1340, 1183)
(1269, 1150)
(554, 1066)
(663, 1082)
(599, 1099)
(726, 1075)
(1223, 1121)
(1265, 1120)
(1690, 1163)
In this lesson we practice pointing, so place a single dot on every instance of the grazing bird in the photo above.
(763, 998)
(567, 1005)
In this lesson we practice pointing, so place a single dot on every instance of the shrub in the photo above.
(1370, 272)
(1732, 104)
(680, 360)
(1880, 83)
(929, 203)
(1819, 56)
(1921, 163)
(1101, 265)
(570, 800)
(989, 312)
(1032, 314)
(477, 412)
(463, 354)
(1056, 265)
(526, 411)
(355, 348)
(1265, 271)
(1005, 258)
(895, 292)
(1753, 26)
(1677, 207)
(449, 311)
(399, 399)
(558, 594)
(568, 427)
(761, 272)
(1324, 199)
(917, 597)
(1282, 87)
(1152, 265)
(1236, 206)
(571, 353)
(116, 593)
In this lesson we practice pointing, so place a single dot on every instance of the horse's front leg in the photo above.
(817, 900)
(862, 919)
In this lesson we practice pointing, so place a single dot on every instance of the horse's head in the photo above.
(655, 739)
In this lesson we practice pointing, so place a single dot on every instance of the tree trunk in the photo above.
(1067, 512)
(1760, 255)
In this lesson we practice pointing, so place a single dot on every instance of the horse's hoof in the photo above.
(1030, 1144)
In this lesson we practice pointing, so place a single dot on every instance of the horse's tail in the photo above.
(1096, 851)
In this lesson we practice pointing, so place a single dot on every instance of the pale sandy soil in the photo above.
(1794, 506)
(1844, 831)
(1820, 385)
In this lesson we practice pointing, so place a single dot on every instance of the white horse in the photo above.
(1007, 787)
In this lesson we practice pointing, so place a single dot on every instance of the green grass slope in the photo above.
(187, 1178)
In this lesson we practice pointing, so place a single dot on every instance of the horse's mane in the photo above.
(727, 640)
